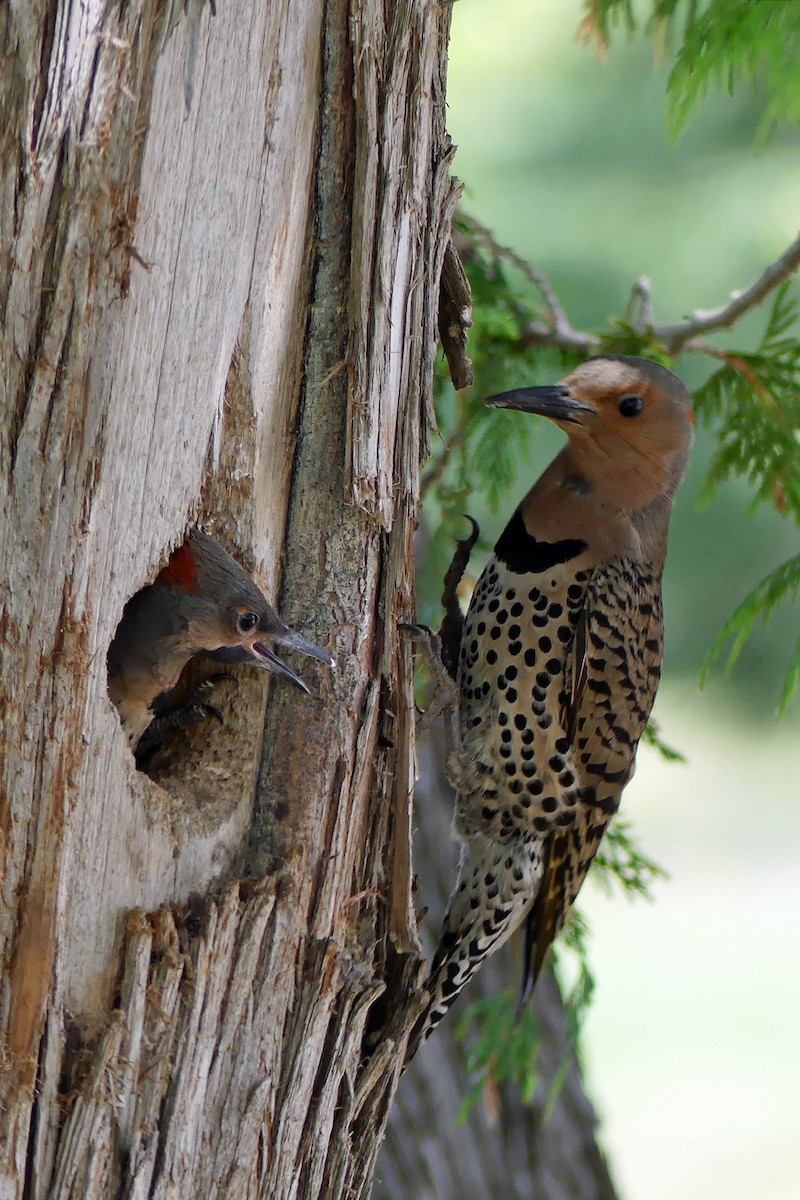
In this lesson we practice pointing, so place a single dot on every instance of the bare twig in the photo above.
(640, 305)
(698, 346)
(564, 337)
(675, 336)
(556, 330)
(485, 236)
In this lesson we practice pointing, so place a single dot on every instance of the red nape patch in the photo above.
(180, 571)
(691, 415)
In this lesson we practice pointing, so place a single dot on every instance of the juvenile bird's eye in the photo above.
(631, 406)
(247, 622)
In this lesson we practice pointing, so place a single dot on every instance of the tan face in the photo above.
(649, 415)
(252, 636)
(219, 627)
(629, 426)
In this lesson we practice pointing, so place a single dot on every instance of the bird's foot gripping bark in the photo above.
(195, 708)
(445, 697)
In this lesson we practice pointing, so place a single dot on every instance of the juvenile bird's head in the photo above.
(223, 614)
(629, 422)
(202, 602)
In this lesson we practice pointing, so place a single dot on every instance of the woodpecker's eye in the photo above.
(631, 406)
(247, 622)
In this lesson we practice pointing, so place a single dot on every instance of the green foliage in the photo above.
(735, 40)
(622, 337)
(575, 941)
(723, 43)
(503, 357)
(779, 585)
(620, 861)
(507, 1047)
(652, 736)
(754, 401)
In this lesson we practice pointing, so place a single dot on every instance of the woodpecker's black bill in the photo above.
(554, 401)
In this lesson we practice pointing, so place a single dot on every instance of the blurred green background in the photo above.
(691, 1047)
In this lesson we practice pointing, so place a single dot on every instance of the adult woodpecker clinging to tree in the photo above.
(202, 602)
(559, 662)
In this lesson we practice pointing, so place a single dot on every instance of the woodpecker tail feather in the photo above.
(496, 884)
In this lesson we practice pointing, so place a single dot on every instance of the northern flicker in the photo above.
(559, 663)
(202, 602)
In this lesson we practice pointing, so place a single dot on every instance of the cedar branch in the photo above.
(555, 330)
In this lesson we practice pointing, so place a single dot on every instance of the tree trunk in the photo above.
(222, 235)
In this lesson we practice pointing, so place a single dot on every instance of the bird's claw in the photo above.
(209, 685)
(193, 709)
(191, 713)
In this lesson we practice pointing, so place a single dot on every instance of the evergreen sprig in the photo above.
(652, 736)
(780, 585)
(506, 1049)
(620, 862)
(508, 1041)
(755, 400)
(722, 44)
(738, 41)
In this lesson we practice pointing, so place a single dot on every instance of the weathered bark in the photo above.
(221, 237)
(545, 1151)
(220, 244)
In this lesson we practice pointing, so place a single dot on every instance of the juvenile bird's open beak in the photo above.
(296, 641)
(293, 641)
(259, 651)
(555, 401)
(266, 657)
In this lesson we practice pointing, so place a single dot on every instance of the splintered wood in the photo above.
(223, 229)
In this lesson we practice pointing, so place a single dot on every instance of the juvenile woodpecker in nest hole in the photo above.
(202, 602)
(559, 662)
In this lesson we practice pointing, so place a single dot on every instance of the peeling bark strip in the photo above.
(404, 205)
(455, 317)
(221, 235)
(184, 1076)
